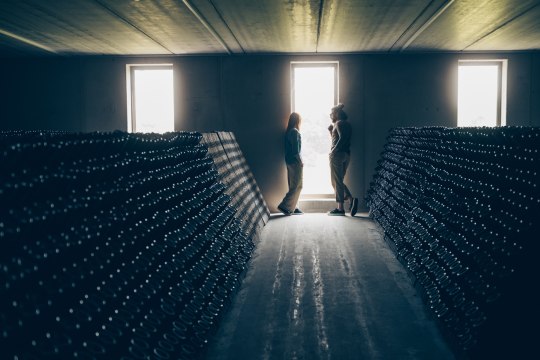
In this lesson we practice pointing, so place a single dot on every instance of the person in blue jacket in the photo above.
(295, 166)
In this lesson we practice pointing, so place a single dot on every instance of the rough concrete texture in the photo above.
(323, 287)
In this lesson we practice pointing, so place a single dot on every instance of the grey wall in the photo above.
(250, 95)
(44, 94)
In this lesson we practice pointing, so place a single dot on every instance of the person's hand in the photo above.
(330, 127)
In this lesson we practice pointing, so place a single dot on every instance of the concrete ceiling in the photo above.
(164, 27)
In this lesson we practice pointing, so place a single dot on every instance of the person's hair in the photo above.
(294, 121)
(338, 110)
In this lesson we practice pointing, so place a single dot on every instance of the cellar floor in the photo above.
(322, 287)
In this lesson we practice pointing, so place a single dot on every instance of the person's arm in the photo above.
(298, 147)
(296, 142)
(338, 129)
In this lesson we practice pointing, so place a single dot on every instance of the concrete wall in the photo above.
(534, 78)
(250, 95)
(41, 94)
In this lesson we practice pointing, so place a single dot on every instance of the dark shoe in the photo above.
(354, 206)
(297, 211)
(284, 211)
(336, 212)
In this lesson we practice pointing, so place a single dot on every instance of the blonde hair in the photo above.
(294, 121)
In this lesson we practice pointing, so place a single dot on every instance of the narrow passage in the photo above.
(322, 287)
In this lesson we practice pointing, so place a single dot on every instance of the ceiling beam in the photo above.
(321, 6)
(429, 21)
(227, 25)
(126, 21)
(501, 26)
(26, 41)
(205, 23)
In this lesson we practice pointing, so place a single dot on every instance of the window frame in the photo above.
(315, 64)
(130, 86)
(502, 66)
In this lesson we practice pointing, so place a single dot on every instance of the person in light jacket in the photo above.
(295, 166)
(340, 153)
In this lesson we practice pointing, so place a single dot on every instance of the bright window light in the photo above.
(314, 95)
(152, 102)
(479, 94)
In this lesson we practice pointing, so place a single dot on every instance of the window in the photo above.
(150, 98)
(482, 93)
(314, 93)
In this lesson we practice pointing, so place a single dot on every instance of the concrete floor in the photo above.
(322, 287)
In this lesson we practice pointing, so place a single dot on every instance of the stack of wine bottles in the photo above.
(460, 208)
(238, 179)
(114, 246)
